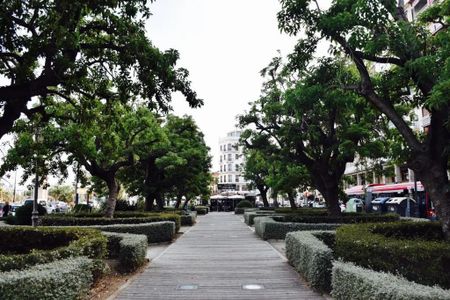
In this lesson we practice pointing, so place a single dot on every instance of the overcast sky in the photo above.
(224, 45)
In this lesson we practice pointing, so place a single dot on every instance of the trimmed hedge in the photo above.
(202, 210)
(130, 249)
(267, 228)
(311, 257)
(249, 216)
(64, 279)
(346, 218)
(353, 282)
(244, 204)
(188, 219)
(401, 248)
(156, 232)
(302, 211)
(47, 244)
(125, 218)
(242, 210)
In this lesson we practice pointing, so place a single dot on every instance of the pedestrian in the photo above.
(6, 209)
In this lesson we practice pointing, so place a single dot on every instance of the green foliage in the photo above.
(302, 211)
(311, 257)
(353, 282)
(68, 278)
(268, 228)
(128, 218)
(124, 205)
(345, 218)
(188, 219)
(156, 232)
(402, 251)
(249, 216)
(62, 193)
(23, 214)
(244, 204)
(81, 208)
(202, 210)
(130, 249)
(24, 247)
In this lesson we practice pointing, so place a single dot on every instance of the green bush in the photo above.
(124, 205)
(353, 282)
(397, 248)
(64, 279)
(268, 228)
(244, 204)
(241, 211)
(346, 218)
(302, 211)
(125, 218)
(311, 257)
(188, 219)
(23, 247)
(202, 210)
(23, 214)
(81, 208)
(249, 216)
(156, 232)
(130, 249)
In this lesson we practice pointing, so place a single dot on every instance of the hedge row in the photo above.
(302, 211)
(268, 228)
(64, 279)
(129, 249)
(188, 219)
(249, 216)
(353, 282)
(311, 257)
(202, 210)
(156, 232)
(77, 220)
(242, 210)
(49, 244)
(346, 218)
(398, 248)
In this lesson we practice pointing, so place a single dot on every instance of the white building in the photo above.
(231, 160)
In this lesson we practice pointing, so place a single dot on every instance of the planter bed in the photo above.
(129, 249)
(268, 228)
(308, 252)
(250, 216)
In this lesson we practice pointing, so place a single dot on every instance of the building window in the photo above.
(224, 168)
(230, 167)
(237, 178)
(236, 168)
(230, 179)
(421, 4)
(237, 156)
(220, 179)
(224, 178)
(220, 147)
(229, 147)
(220, 168)
(229, 156)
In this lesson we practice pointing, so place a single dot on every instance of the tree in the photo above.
(314, 123)
(62, 193)
(180, 168)
(369, 32)
(257, 172)
(52, 48)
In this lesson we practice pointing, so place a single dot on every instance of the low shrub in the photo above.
(346, 218)
(353, 282)
(244, 204)
(311, 256)
(202, 210)
(122, 218)
(302, 211)
(129, 249)
(156, 232)
(24, 247)
(81, 208)
(64, 279)
(188, 218)
(124, 205)
(398, 248)
(242, 210)
(249, 216)
(268, 228)
(23, 214)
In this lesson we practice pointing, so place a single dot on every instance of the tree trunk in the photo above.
(434, 177)
(263, 193)
(329, 188)
(292, 200)
(149, 200)
(275, 200)
(113, 191)
(177, 205)
(160, 201)
(185, 203)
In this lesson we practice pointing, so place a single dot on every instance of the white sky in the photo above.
(224, 45)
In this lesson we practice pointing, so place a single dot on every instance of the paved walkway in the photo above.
(215, 260)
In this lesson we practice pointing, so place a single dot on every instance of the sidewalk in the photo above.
(218, 258)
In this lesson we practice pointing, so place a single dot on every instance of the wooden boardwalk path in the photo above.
(215, 259)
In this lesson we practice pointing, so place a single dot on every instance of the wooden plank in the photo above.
(218, 255)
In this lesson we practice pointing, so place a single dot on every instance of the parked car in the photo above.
(14, 206)
(354, 205)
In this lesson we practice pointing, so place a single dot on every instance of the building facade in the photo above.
(231, 162)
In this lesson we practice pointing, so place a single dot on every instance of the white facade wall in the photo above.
(231, 162)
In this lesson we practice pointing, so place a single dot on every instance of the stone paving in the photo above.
(218, 258)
